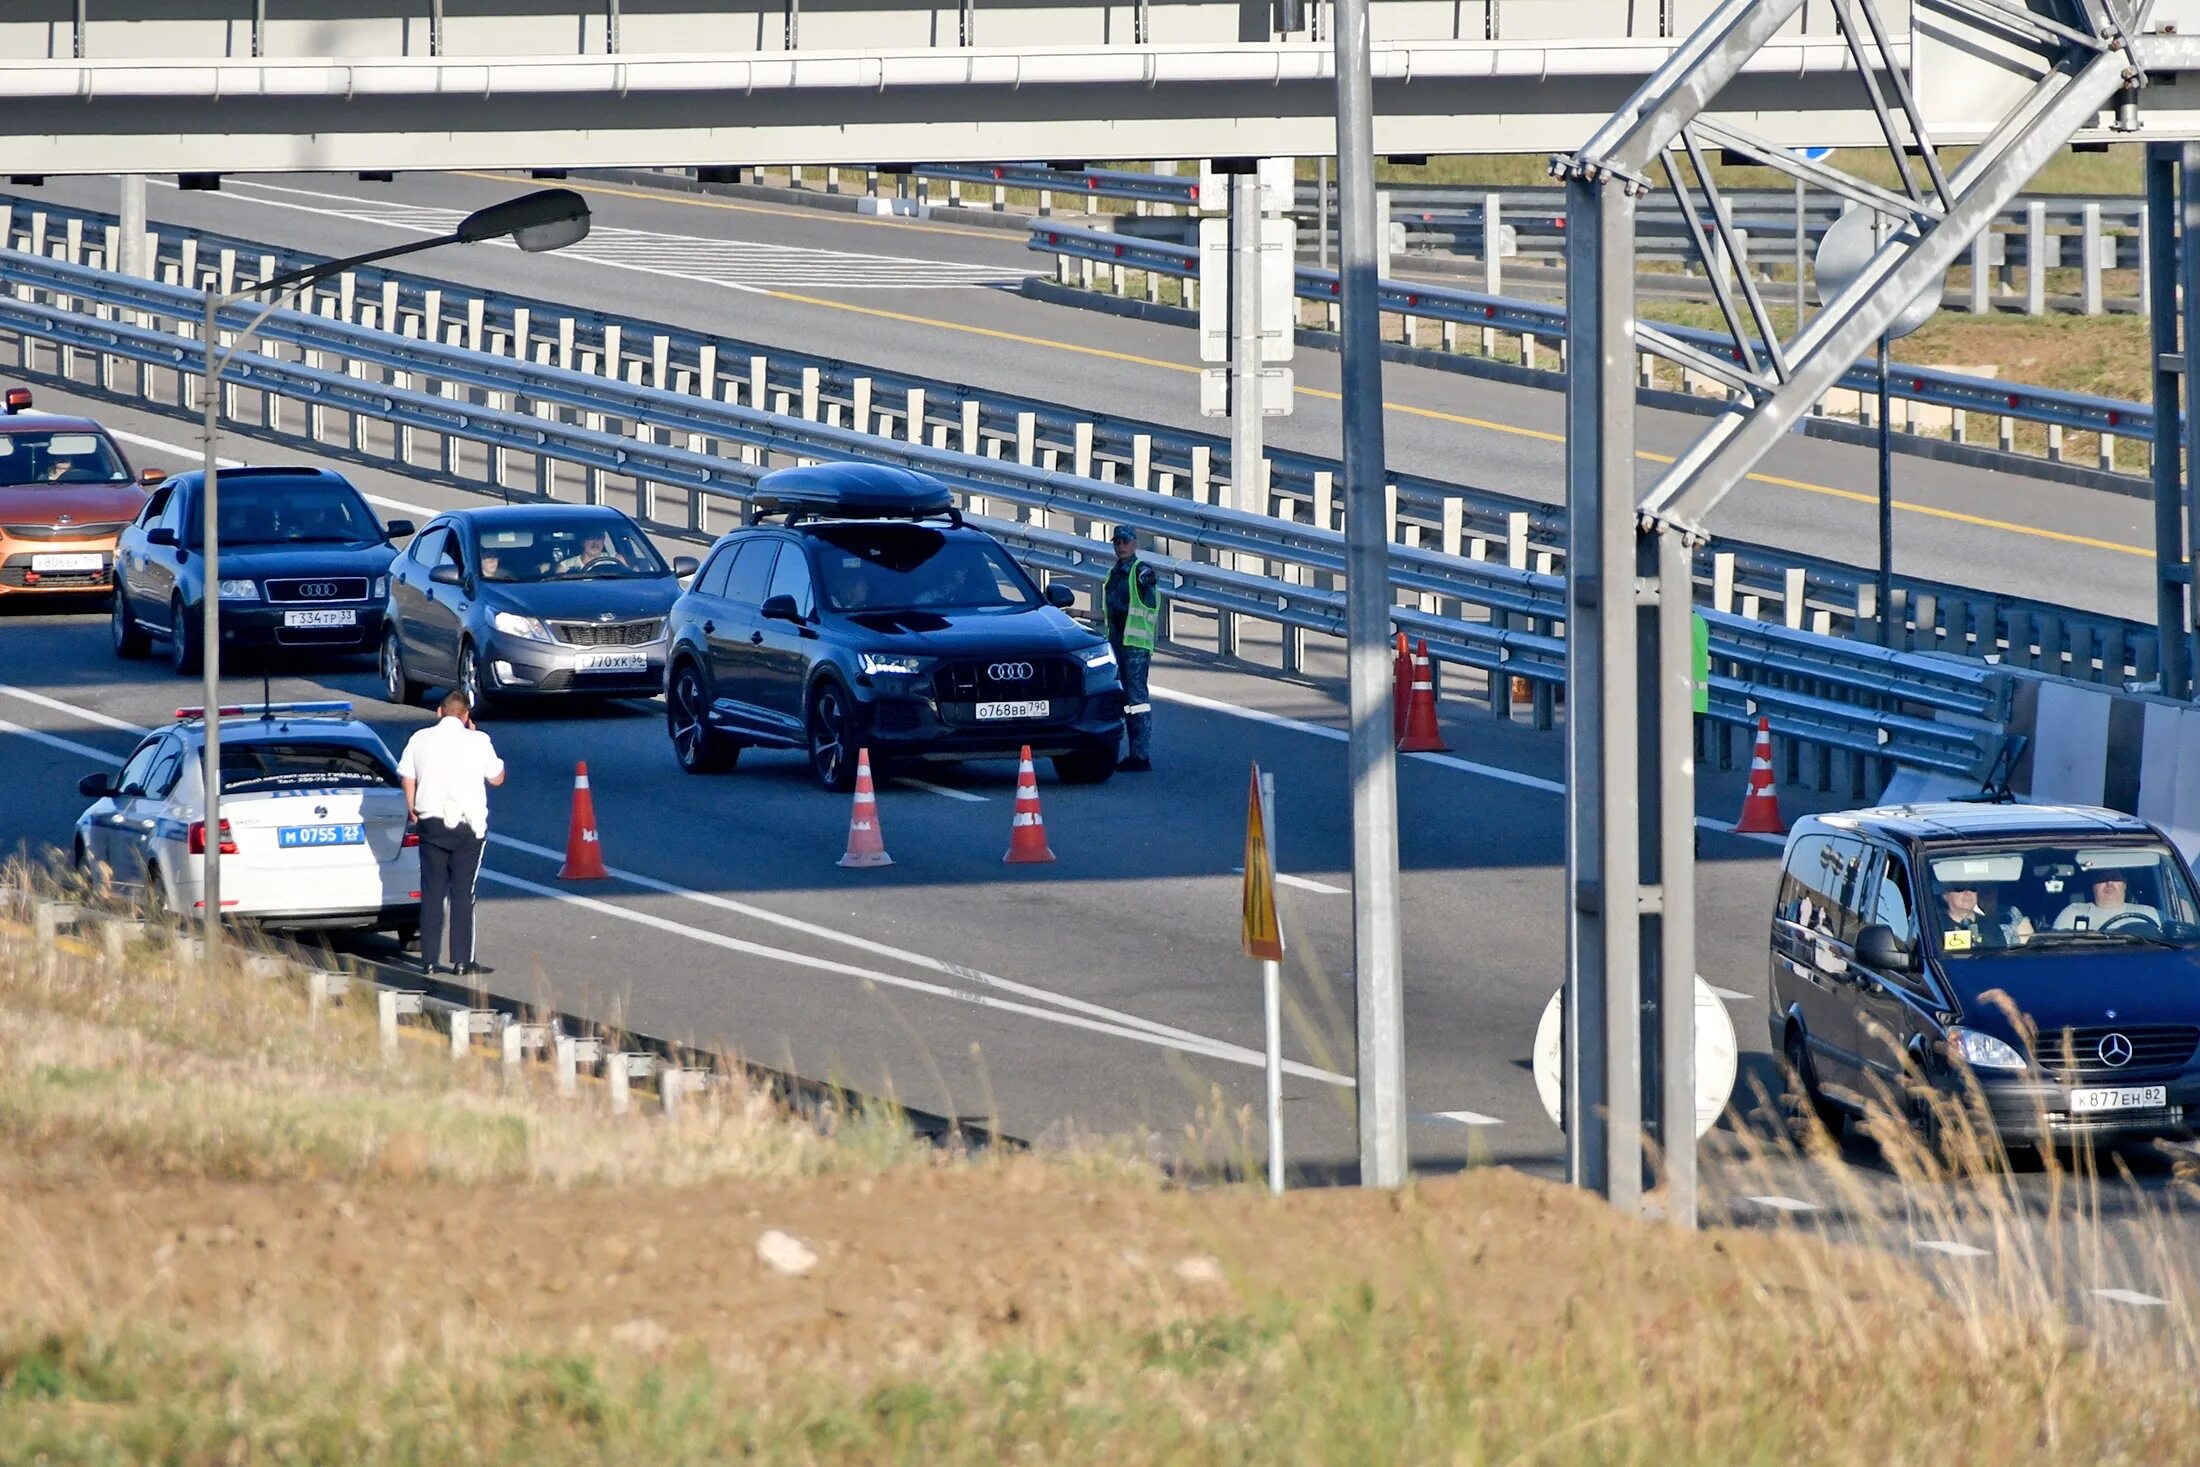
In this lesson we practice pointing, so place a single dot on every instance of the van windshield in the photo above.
(2057, 897)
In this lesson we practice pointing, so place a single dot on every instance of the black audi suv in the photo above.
(2047, 955)
(304, 565)
(858, 610)
(529, 601)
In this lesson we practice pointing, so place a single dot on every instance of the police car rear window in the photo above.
(280, 765)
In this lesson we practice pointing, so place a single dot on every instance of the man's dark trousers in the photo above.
(450, 869)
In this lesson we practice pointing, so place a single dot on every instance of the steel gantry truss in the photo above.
(1630, 1002)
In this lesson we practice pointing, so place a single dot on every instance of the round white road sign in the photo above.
(1718, 1059)
(1848, 243)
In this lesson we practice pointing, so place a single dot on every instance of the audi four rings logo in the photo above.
(1009, 672)
(318, 590)
(2115, 1051)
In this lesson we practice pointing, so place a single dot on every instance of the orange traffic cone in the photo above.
(1027, 835)
(1761, 807)
(866, 846)
(583, 847)
(1422, 736)
(1401, 688)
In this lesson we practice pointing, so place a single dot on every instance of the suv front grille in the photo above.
(102, 531)
(318, 588)
(973, 680)
(608, 633)
(2153, 1047)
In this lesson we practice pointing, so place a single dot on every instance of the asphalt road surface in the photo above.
(937, 299)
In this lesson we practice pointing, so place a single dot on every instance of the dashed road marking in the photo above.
(1953, 1250)
(66, 746)
(944, 791)
(1731, 996)
(1303, 883)
(1783, 1204)
(74, 710)
(1459, 1117)
(198, 455)
(2131, 1297)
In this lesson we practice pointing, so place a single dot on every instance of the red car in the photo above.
(66, 491)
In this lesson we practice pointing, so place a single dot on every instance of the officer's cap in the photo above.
(1124, 532)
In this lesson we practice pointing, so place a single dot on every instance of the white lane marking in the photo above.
(1184, 1039)
(2132, 1297)
(1953, 1250)
(1448, 761)
(945, 791)
(751, 266)
(89, 715)
(922, 960)
(1209, 1049)
(1730, 995)
(1459, 1117)
(1783, 1204)
(237, 463)
(67, 746)
(1303, 883)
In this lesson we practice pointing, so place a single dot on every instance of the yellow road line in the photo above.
(1409, 409)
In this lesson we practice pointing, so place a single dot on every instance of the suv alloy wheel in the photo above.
(831, 738)
(700, 748)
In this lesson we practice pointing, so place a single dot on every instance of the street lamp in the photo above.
(548, 219)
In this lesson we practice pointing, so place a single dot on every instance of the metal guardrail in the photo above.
(1827, 691)
(1803, 592)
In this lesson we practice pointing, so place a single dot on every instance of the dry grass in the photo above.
(237, 1234)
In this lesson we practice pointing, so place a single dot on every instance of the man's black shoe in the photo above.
(438, 968)
(1135, 766)
(474, 970)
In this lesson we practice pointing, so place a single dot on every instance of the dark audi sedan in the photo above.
(2051, 954)
(529, 601)
(870, 615)
(304, 565)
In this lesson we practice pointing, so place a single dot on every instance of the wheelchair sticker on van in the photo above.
(1956, 940)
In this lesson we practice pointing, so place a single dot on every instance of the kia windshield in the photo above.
(899, 567)
(290, 512)
(568, 550)
(2058, 896)
(33, 459)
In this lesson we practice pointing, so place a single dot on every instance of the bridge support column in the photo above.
(2172, 567)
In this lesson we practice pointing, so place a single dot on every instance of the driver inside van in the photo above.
(2108, 907)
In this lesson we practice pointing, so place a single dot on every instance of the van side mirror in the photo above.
(447, 574)
(1061, 595)
(161, 535)
(781, 608)
(1878, 947)
(96, 786)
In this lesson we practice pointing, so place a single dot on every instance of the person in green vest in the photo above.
(1134, 625)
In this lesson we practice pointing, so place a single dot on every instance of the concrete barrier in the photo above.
(2134, 752)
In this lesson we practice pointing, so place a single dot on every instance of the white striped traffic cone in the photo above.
(1027, 836)
(1761, 807)
(866, 844)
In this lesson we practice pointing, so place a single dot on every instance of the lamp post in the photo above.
(548, 219)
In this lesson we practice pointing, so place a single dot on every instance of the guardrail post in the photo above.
(914, 409)
(1142, 461)
(1027, 440)
(1081, 449)
(1325, 498)
(809, 393)
(970, 432)
(860, 390)
(390, 1005)
(2035, 258)
(2089, 258)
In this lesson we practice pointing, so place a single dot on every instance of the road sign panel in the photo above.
(1259, 932)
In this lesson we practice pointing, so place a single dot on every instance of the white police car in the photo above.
(313, 830)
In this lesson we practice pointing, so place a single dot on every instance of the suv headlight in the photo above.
(875, 663)
(1098, 657)
(240, 590)
(521, 626)
(1982, 1051)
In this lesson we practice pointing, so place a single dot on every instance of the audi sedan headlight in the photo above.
(521, 626)
(876, 663)
(1982, 1051)
(240, 590)
(1098, 657)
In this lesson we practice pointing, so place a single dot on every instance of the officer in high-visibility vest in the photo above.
(1134, 623)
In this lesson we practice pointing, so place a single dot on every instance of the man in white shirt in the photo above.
(2108, 910)
(446, 771)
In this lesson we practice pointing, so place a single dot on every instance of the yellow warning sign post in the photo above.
(1261, 935)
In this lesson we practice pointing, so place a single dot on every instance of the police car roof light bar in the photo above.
(18, 400)
(328, 709)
